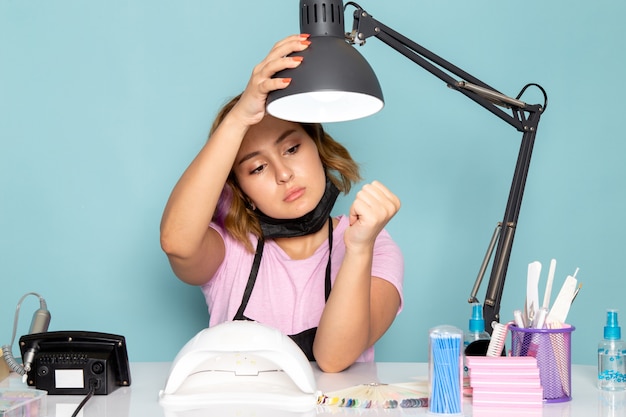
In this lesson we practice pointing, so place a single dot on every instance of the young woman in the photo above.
(249, 221)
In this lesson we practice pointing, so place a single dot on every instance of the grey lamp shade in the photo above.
(333, 83)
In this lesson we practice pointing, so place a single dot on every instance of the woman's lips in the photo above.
(294, 194)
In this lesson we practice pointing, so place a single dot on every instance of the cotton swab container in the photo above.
(445, 365)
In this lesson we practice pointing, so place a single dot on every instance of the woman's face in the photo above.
(278, 167)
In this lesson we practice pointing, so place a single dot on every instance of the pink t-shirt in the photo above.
(289, 294)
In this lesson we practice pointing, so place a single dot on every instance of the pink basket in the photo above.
(552, 348)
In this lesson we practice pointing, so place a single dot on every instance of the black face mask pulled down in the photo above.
(311, 222)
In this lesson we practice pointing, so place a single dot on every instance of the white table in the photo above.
(141, 398)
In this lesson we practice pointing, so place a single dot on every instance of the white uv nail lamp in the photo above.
(240, 363)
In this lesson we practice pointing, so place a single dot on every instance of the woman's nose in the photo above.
(283, 174)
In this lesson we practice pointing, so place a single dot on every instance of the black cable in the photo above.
(351, 3)
(545, 95)
(92, 391)
(40, 323)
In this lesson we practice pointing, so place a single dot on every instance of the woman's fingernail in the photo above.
(297, 58)
(286, 80)
(305, 42)
(304, 35)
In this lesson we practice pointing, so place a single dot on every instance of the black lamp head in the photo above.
(334, 82)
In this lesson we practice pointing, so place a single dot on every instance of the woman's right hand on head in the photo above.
(251, 107)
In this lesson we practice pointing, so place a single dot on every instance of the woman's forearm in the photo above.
(358, 312)
(193, 200)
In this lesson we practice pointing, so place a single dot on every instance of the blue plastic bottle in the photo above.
(475, 341)
(611, 361)
(476, 326)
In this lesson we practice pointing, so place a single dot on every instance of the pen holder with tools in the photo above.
(552, 349)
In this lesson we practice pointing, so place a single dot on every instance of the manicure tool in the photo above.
(560, 309)
(532, 291)
(548, 293)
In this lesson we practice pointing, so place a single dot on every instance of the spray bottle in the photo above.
(476, 341)
(611, 360)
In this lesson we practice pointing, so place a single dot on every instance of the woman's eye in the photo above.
(292, 149)
(257, 170)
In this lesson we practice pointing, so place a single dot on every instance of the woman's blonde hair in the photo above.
(239, 219)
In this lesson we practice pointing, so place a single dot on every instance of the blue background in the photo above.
(103, 104)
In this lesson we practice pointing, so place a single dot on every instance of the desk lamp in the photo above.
(335, 83)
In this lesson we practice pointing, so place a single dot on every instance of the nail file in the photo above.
(532, 290)
(560, 309)
(519, 319)
(548, 293)
(540, 320)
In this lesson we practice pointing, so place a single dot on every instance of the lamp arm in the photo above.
(523, 117)
(493, 297)
(365, 26)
